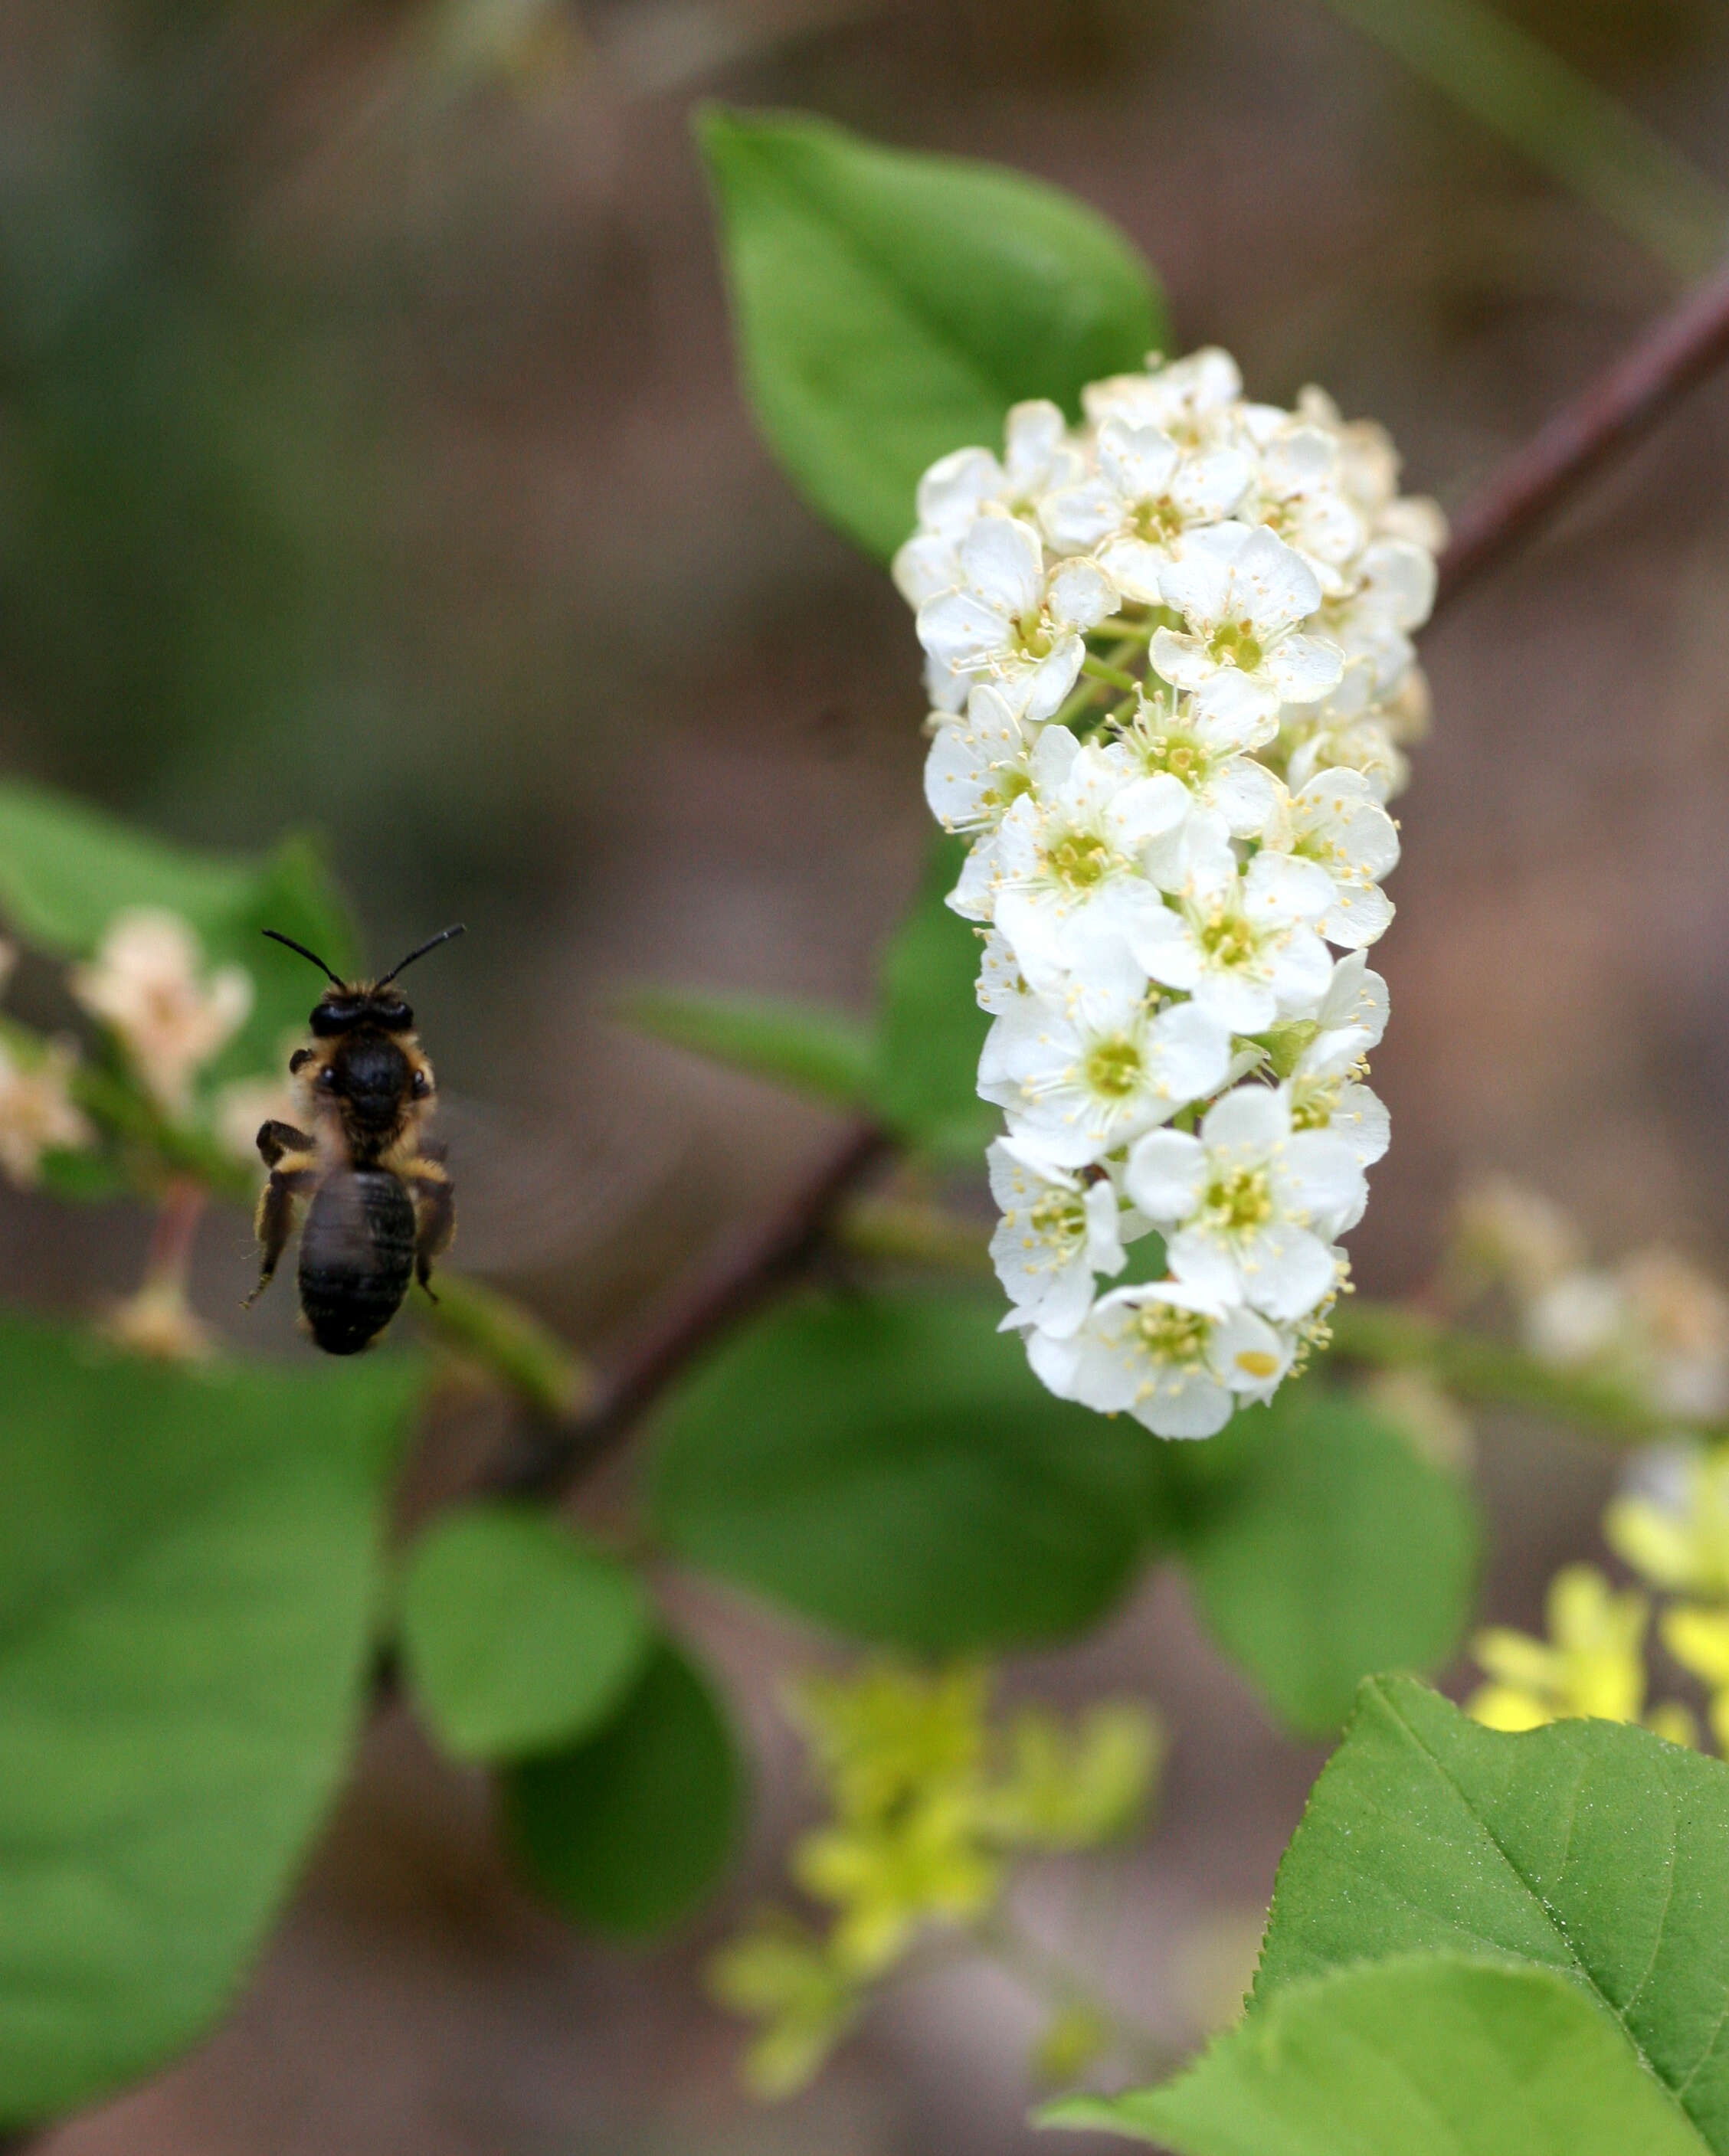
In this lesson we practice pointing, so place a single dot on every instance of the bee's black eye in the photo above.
(422, 1085)
(299, 1059)
(328, 1079)
(395, 1016)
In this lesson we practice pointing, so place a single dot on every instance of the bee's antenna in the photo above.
(276, 935)
(431, 943)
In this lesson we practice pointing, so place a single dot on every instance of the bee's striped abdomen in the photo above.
(357, 1254)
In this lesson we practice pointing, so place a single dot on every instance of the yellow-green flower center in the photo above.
(1035, 638)
(1057, 1216)
(1114, 1068)
(1234, 644)
(1227, 939)
(1157, 518)
(1009, 783)
(1240, 1199)
(1171, 1335)
(1179, 754)
(1079, 859)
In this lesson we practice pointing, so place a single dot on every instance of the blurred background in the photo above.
(371, 461)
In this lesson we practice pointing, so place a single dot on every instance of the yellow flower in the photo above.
(889, 1877)
(1699, 1640)
(878, 1739)
(1071, 1789)
(780, 1975)
(1593, 1664)
(1683, 1547)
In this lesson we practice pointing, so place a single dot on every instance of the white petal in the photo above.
(1303, 668)
(1148, 808)
(1033, 434)
(1003, 562)
(1281, 887)
(1164, 944)
(1136, 566)
(1237, 1003)
(926, 565)
(1080, 595)
(1321, 1176)
(954, 489)
(1055, 1363)
(1246, 794)
(1199, 1408)
(1275, 582)
(1166, 1170)
(1183, 661)
(1360, 915)
(1192, 1050)
(1252, 1120)
(1209, 486)
(1300, 969)
(1202, 1264)
(1230, 712)
(1053, 679)
(1247, 1356)
(960, 631)
(1361, 1119)
(1138, 461)
(1078, 518)
(1286, 1271)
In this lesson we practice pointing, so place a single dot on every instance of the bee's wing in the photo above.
(534, 1191)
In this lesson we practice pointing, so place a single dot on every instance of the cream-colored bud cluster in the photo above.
(1171, 661)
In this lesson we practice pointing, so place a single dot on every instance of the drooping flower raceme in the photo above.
(1171, 655)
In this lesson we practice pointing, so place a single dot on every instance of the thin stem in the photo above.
(1055, 1980)
(168, 1263)
(1098, 670)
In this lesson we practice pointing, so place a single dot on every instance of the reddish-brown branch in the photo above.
(1608, 416)
(743, 1275)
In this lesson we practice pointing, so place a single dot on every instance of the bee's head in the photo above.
(356, 1006)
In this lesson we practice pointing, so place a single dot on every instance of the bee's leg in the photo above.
(434, 1197)
(294, 1176)
(276, 1139)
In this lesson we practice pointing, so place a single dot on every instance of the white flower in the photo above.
(1082, 1076)
(1298, 496)
(980, 764)
(1392, 592)
(1003, 986)
(1369, 473)
(959, 488)
(145, 982)
(1204, 741)
(1244, 948)
(1007, 619)
(1250, 1205)
(1193, 400)
(37, 1114)
(1055, 1233)
(1349, 731)
(1146, 494)
(1067, 862)
(1336, 821)
(1244, 593)
(243, 1104)
(1327, 1094)
(1175, 1360)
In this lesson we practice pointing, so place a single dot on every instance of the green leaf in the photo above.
(1589, 1848)
(932, 1030)
(517, 1635)
(890, 1466)
(67, 869)
(1321, 1548)
(631, 1830)
(187, 1583)
(890, 308)
(824, 1053)
(1434, 2055)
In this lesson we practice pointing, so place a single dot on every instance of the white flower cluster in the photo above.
(1171, 662)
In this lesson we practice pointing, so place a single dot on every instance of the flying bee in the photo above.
(382, 1206)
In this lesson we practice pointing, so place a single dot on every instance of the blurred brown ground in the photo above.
(620, 702)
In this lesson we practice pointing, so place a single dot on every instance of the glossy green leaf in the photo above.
(1588, 1848)
(1320, 1548)
(66, 870)
(187, 1583)
(1434, 2055)
(824, 1053)
(890, 308)
(632, 1830)
(517, 1635)
(932, 1029)
(890, 1466)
